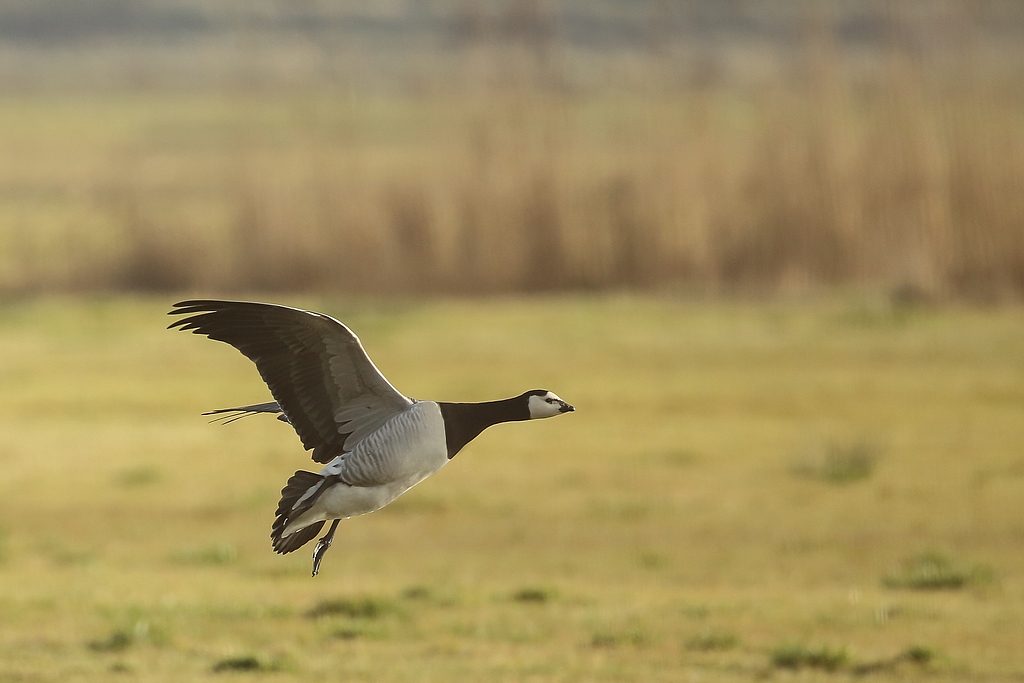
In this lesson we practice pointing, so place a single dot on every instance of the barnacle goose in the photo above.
(375, 443)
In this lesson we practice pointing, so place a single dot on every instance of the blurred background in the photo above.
(483, 146)
(772, 251)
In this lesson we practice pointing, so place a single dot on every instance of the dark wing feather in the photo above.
(315, 366)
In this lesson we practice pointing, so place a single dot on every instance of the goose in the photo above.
(374, 442)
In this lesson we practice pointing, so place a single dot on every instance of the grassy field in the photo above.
(785, 490)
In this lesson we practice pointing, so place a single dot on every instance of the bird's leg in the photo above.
(322, 545)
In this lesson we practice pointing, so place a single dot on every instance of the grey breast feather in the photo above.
(390, 454)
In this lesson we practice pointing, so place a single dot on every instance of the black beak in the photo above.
(566, 408)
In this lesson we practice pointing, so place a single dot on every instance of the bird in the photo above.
(374, 442)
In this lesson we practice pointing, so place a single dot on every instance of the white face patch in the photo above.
(547, 405)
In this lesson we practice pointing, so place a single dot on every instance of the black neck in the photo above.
(463, 422)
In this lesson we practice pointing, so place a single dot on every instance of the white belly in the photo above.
(342, 500)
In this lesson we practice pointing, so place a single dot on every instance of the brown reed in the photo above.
(901, 173)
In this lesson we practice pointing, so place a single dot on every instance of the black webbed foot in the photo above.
(322, 545)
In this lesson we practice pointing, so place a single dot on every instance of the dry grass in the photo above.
(897, 169)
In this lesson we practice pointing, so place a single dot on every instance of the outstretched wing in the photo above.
(317, 370)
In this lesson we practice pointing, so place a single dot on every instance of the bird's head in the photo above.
(543, 403)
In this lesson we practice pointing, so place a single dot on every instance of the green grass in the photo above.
(657, 534)
(797, 656)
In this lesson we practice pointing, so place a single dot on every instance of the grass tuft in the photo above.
(346, 633)
(933, 572)
(604, 640)
(417, 593)
(119, 640)
(241, 663)
(916, 654)
(919, 654)
(355, 608)
(695, 611)
(840, 463)
(711, 641)
(533, 595)
(635, 637)
(797, 656)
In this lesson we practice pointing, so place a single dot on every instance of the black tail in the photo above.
(299, 485)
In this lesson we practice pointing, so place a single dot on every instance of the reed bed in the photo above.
(813, 167)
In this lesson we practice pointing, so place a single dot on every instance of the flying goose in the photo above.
(374, 442)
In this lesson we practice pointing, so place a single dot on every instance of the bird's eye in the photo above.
(550, 400)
